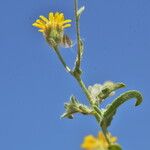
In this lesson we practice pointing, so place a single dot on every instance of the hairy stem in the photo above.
(78, 78)
(105, 132)
(84, 88)
(98, 114)
(78, 63)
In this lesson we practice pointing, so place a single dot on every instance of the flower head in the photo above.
(97, 143)
(53, 27)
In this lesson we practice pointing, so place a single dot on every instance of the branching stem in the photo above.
(85, 90)
(98, 114)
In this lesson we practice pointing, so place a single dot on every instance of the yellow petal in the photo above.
(38, 25)
(41, 31)
(89, 142)
(56, 14)
(113, 140)
(44, 19)
(101, 136)
(40, 22)
(67, 21)
(61, 17)
(66, 26)
(51, 17)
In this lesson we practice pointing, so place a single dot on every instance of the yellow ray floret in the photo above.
(54, 21)
(97, 143)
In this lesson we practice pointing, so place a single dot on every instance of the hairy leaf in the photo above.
(112, 108)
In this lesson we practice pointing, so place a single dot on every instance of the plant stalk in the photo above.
(77, 34)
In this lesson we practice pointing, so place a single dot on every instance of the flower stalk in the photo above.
(62, 60)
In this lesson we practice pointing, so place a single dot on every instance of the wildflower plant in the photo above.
(53, 29)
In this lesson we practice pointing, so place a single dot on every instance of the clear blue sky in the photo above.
(34, 85)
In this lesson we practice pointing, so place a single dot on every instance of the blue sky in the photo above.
(34, 85)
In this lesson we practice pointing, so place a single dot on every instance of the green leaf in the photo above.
(80, 11)
(108, 88)
(112, 108)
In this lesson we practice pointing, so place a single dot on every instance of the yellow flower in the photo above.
(53, 27)
(97, 143)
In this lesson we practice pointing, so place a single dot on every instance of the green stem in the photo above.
(77, 33)
(98, 115)
(62, 60)
(105, 132)
(85, 90)
(98, 111)
(79, 80)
